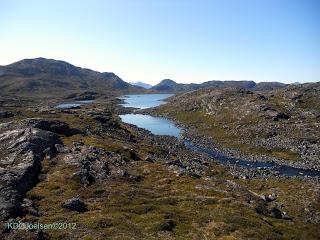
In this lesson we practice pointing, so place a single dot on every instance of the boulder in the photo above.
(276, 213)
(75, 204)
(167, 225)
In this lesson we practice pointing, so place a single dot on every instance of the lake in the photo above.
(143, 101)
(156, 125)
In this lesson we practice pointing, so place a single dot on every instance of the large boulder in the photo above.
(21, 150)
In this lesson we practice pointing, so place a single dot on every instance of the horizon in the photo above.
(199, 82)
(188, 42)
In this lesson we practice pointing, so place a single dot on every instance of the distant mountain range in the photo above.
(169, 85)
(141, 84)
(51, 77)
(48, 77)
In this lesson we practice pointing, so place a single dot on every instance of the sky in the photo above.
(184, 40)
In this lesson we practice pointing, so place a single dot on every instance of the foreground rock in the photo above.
(22, 148)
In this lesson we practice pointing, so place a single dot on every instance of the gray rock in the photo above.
(54, 126)
(22, 149)
(6, 114)
(276, 213)
(61, 149)
(75, 204)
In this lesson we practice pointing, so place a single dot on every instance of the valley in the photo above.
(95, 165)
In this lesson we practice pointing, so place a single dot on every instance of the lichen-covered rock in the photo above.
(21, 150)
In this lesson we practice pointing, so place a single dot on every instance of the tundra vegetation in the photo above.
(116, 181)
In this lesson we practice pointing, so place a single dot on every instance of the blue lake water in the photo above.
(143, 101)
(156, 125)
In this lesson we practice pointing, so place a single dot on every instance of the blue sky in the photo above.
(185, 40)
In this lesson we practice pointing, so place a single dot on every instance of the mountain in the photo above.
(141, 84)
(167, 85)
(269, 85)
(47, 77)
(170, 85)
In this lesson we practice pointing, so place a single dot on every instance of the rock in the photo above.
(6, 114)
(61, 149)
(42, 235)
(149, 159)
(85, 177)
(122, 173)
(94, 164)
(274, 114)
(102, 119)
(269, 198)
(276, 213)
(49, 153)
(28, 207)
(281, 115)
(54, 126)
(262, 97)
(134, 155)
(168, 225)
(137, 178)
(75, 204)
(22, 150)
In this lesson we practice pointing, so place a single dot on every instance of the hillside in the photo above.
(169, 85)
(49, 77)
(279, 125)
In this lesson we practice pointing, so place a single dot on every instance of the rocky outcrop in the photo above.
(54, 126)
(22, 148)
(93, 163)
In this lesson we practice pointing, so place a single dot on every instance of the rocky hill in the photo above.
(49, 77)
(169, 85)
(279, 125)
